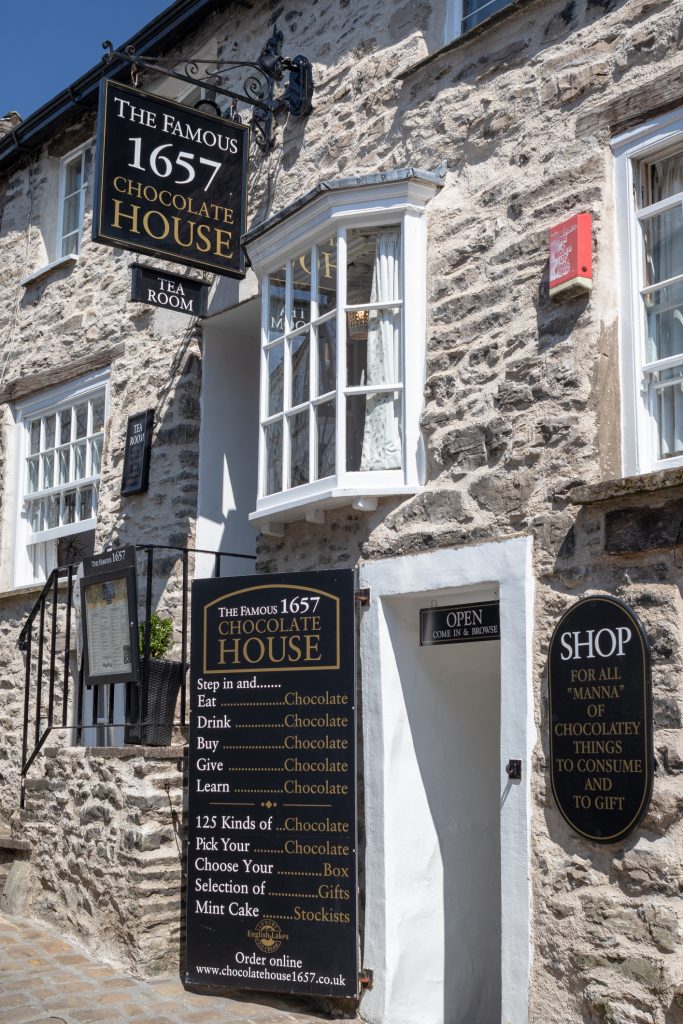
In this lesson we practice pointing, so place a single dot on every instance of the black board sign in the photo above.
(460, 623)
(170, 180)
(168, 291)
(600, 708)
(109, 617)
(138, 452)
(271, 875)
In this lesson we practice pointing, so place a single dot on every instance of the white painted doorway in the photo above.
(447, 913)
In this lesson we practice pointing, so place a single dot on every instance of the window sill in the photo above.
(25, 590)
(312, 507)
(609, 490)
(462, 39)
(49, 268)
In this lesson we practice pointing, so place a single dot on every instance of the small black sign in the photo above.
(460, 623)
(170, 180)
(272, 888)
(109, 617)
(168, 291)
(600, 706)
(138, 453)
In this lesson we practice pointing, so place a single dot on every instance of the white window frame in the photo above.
(388, 203)
(455, 14)
(639, 431)
(44, 404)
(79, 152)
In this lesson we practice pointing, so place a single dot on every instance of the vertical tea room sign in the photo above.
(138, 453)
(600, 709)
(272, 888)
(170, 181)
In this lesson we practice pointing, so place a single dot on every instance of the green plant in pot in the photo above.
(163, 683)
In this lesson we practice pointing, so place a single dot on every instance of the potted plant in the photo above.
(163, 683)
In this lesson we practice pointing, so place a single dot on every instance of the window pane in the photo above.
(35, 436)
(276, 304)
(326, 426)
(665, 178)
(34, 514)
(300, 368)
(32, 476)
(301, 277)
(664, 314)
(79, 461)
(663, 236)
(49, 431)
(95, 455)
(82, 419)
(87, 166)
(373, 259)
(72, 213)
(298, 448)
(476, 11)
(52, 512)
(70, 245)
(69, 507)
(65, 426)
(669, 406)
(373, 431)
(327, 276)
(48, 470)
(86, 505)
(98, 414)
(275, 379)
(63, 455)
(72, 176)
(327, 356)
(373, 349)
(273, 436)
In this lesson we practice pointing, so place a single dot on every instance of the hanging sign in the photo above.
(170, 180)
(168, 291)
(138, 453)
(600, 708)
(109, 617)
(460, 623)
(271, 880)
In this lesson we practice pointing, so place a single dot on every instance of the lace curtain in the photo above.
(381, 434)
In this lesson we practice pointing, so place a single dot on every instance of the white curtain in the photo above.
(666, 330)
(381, 433)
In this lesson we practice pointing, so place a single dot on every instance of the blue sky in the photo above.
(45, 45)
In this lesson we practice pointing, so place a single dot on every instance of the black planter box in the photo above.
(163, 686)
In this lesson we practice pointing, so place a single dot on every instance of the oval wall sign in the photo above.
(600, 706)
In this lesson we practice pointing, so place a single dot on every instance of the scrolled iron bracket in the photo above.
(258, 89)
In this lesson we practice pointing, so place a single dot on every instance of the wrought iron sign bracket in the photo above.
(258, 89)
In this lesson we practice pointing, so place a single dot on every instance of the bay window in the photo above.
(649, 176)
(342, 349)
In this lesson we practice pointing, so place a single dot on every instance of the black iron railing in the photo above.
(54, 692)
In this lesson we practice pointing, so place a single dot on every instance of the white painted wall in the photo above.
(421, 933)
(228, 438)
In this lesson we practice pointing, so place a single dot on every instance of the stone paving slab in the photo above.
(46, 979)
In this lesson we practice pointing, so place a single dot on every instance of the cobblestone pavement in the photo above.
(46, 979)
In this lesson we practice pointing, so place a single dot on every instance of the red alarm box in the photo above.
(571, 256)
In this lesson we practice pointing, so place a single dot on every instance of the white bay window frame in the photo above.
(639, 423)
(35, 551)
(334, 211)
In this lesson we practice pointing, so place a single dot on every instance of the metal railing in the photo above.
(54, 694)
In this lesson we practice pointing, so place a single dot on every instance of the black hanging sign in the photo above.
(138, 452)
(460, 623)
(109, 617)
(168, 291)
(600, 707)
(272, 891)
(170, 181)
